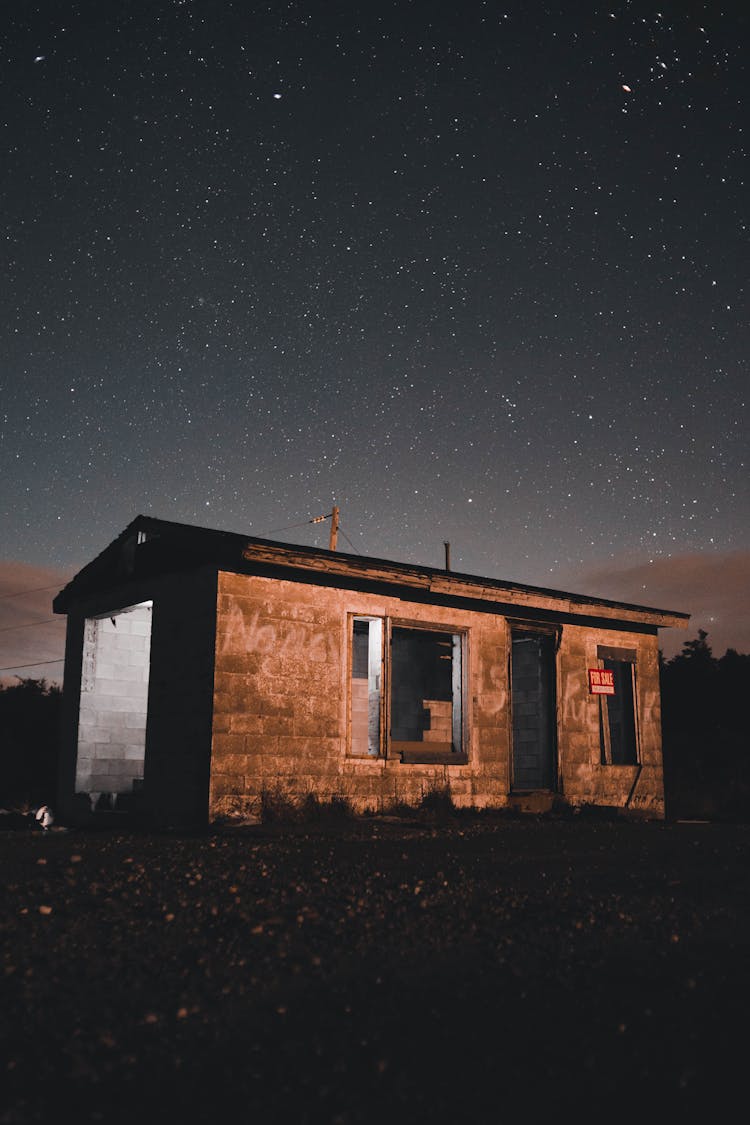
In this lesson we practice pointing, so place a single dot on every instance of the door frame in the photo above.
(549, 636)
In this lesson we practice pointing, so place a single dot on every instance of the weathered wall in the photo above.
(114, 691)
(177, 669)
(281, 705)
(583, 779)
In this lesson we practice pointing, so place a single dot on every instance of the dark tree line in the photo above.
(29, 741)
(705, 733)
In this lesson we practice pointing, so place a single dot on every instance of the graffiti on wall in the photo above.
(256, 633)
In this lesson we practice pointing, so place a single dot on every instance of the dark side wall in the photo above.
(70, 809)
(180, 700)
(180, 697)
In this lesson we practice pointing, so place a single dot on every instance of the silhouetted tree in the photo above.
(29, 743)
(705, 732)
(734, 677)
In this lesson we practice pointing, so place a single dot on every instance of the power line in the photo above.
(349, 541)
(289, 526)
(31, 624)
(31, 590)
(39, 663)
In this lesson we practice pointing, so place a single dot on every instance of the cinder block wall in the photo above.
(281, 706)
(113, 704)
(281, 700)
(584, 779)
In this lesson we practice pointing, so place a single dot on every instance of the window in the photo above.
(617, 714)
(424, 694)
(367, 661)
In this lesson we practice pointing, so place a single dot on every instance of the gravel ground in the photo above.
(376, 970)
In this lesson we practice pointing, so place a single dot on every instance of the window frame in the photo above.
(621, 656)
(388, 748)
(375, 713)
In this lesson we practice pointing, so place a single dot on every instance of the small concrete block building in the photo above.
(205, 670)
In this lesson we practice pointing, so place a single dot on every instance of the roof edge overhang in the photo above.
(427, 581)
(184, 546)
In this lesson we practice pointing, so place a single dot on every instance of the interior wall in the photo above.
(114, 703)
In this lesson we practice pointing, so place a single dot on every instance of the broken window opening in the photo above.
(425, 696)
(617, 716)
(426, 707)
(365, 695)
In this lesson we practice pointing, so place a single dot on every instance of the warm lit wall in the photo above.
(585, 779)
(281, 705)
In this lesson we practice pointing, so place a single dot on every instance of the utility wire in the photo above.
(315, 519)
(30, 624)
(289, 526)
(32, 590)
(39, 663)
(355, 549)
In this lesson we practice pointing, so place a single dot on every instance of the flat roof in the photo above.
(185, 545)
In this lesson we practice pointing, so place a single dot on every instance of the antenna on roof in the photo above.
(447, 546)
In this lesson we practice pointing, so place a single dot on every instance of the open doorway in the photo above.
(113, 706)
(534, 711)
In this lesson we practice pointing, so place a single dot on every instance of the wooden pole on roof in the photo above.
(334, 529)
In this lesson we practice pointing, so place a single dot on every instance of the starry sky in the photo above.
(472, 273)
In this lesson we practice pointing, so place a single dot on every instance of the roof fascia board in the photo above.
(453, 585)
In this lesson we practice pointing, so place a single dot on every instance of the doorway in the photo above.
(114, 704)
(533, 706)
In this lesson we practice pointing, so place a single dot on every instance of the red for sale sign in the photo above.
(601, 681)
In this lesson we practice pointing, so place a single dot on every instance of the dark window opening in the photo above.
(617, 721)
(425, 698)
(426, 714)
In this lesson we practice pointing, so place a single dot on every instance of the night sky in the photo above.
(472, 272)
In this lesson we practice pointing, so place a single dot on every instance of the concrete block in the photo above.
(246, 722)
(225, 785)
(113, 704)
(134, 751)
(134, 720)
(117, 686)
(235, 764)
(103, 750)
(275, 706)
(243, 663)
(225, 745)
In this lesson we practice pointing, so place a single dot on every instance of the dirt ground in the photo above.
(376, 970)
